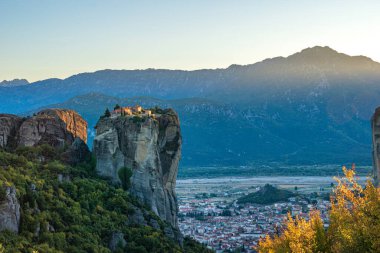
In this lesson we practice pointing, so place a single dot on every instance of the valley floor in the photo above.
(209, 213)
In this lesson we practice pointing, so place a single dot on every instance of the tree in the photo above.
(107, 113)
(296, 188)
(117, 106)
(125, 175)
(354, 223)
(355, 216)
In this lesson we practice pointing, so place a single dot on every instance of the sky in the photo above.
(42, 39)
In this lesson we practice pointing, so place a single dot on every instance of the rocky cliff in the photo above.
(56, 127)
(376, 145)
(59, 128)
(9, 127)
(151, 147)
(9, 209)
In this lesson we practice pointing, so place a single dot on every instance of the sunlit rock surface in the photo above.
(151, 147)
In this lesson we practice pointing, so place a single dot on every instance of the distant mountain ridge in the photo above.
(311, 107)
(14, 83)
(308, 68)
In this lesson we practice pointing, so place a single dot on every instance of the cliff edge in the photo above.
(60, 128)
(375, 122)
(149, 143)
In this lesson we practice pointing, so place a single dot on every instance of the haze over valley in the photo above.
(312, 107)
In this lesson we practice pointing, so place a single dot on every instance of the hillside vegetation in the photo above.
(266, 195)
(70, 209)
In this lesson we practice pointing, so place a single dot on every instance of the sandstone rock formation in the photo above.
(376, 145)
(9, 126)
(57, 127)
(151, 147)
(9, 209)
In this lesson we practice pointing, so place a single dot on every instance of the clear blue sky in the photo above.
(41, 39)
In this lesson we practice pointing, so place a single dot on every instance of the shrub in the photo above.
(354, 223)
(117, 106)
(3, 193)
(107, 113)
(125, 175)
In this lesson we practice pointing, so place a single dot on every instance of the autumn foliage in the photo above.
(354, 223)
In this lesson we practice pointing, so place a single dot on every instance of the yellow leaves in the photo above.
(300, 236)
(354, 223)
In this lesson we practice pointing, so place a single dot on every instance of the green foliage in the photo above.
(156, 110)
(138, 119)
(266, 195)
(191, 246)
(125, 175)
(117, 106)
(78, 213)
(107, 113)
(3, 193)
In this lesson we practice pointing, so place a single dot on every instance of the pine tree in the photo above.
(107, 113)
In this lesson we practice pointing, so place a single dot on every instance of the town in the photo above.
(217, 221)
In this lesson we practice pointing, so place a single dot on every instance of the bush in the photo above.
(125, 175)
(3, 193)
(107, 113)
(354, 223)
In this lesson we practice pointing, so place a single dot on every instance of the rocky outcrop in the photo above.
(76, 153)
(151, 147)
(59, 128)
(9, 209)
(56, 127)
(117, 241)
(375, 122)
(9, 127)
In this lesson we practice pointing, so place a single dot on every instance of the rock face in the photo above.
(376, 145)
(117, 241)
(9, 127)
(151, 147)
(9, 210)
(57, 127)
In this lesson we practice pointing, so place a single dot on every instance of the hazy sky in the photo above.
(40, 39)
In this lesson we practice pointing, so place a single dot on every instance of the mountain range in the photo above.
(312, 107)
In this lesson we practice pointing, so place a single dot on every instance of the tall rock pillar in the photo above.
(149, 143)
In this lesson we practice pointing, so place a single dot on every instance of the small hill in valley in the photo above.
(266, 195)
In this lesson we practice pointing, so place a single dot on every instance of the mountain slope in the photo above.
(217, 134)
(311, 107)
(310, 70)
